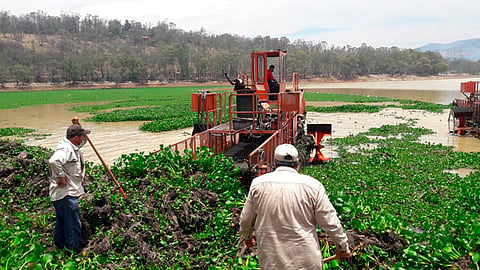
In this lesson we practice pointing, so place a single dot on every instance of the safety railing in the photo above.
(253, 112)
(263, 156)
(278, 117)
(218, 142)
(211, 108)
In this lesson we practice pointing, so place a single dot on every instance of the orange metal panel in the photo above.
(468, 87)
(207, 104)
(290, 101)
(195, 102)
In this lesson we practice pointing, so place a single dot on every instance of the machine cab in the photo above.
(261, 61)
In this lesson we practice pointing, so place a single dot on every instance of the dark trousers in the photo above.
(273, 88)
(68, 227)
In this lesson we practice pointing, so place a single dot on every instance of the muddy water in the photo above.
(344, 124)
(114, 139)
(110, 139)
(436, 91)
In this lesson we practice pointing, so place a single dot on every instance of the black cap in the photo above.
(76, 130)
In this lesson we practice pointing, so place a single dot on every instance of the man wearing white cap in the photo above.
(67, 172)
(284, 208)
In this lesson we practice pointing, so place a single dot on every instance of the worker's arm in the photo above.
(328, 221)
(55, 163)
(247, 221)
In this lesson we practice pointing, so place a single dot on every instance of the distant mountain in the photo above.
(468, 49)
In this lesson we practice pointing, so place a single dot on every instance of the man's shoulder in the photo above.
(287, 176)
(65, 144)
(64, 147)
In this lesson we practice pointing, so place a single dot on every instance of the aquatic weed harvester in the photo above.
(464, 117)
(248, 123)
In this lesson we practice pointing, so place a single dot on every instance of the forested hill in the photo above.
(37, 47)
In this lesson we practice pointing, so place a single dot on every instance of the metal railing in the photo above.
(263, 156)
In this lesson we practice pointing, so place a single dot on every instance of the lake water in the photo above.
(114, 139)
(442, 91)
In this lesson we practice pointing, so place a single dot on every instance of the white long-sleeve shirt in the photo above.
(66, 162)
(285, 207)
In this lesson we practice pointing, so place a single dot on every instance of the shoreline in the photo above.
(11, 87)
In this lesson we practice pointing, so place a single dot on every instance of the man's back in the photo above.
(285, 208)
(284, 202)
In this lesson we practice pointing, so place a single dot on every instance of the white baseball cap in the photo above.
(286, 153)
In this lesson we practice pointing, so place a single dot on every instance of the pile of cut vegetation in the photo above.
(180, 212)
(397, 198)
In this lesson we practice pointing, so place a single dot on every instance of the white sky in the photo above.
(402, 23)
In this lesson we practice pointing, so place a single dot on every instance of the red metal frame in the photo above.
(222, 136)
(261, 86)
(273, 119)
(465, 114)
(319, 157)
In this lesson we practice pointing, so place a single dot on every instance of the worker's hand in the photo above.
(75, 120)
(343, 254)
(62, 182)
(250, 242)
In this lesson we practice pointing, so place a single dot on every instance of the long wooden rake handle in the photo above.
(76, 121)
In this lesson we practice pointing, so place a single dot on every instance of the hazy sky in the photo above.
(402, 23)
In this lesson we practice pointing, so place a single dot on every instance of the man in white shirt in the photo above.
(284, 208)
(67, 170)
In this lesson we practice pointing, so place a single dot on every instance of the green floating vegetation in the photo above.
(15, 131)
(130, 96)
(402, 186)
(182, 212)
(350, 108)
(162, 118)
(357, 108)
(179, 213)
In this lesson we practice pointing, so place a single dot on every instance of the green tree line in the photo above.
(37, 47)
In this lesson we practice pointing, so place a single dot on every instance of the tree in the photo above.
(3, 76)
(347, 67)
(167, 61)
(114, 29)
(301, 62)
(423, 66)
(21, 75)
(70, 71)
(72, 48)
(182, 58)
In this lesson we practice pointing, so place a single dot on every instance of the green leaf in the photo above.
(17, 240)
(46, 259)
(476, 258)
(69, 265)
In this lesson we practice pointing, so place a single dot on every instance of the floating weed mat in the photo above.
(400, 208)
(15, 131)
(181, 213)
(358, 108)
(401, 188)
(163, 118)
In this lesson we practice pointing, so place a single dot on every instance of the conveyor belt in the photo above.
(240, 151)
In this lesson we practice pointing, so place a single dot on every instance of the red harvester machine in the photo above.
(464, 117)
(248, 123)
